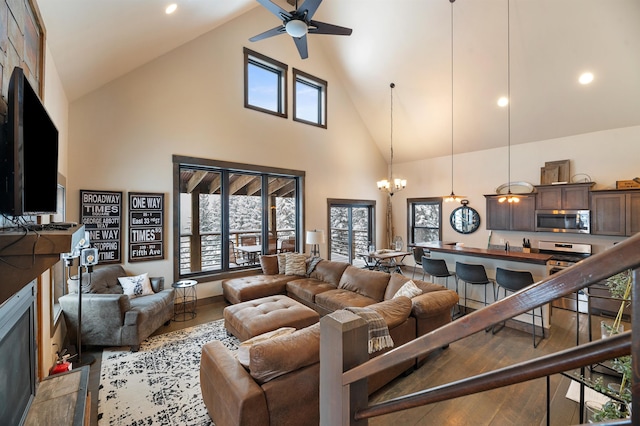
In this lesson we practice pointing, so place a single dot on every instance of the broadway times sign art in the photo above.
(101, 215)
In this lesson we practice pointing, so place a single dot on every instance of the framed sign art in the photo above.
(146, 226)
(101, 215)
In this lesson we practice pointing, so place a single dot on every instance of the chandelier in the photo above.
(392, 185)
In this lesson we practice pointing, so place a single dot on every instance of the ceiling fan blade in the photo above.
(275, 9)
(316, 27)
(269, 33)
(309, 7)
(301, 44)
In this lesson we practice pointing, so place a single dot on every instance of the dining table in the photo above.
(250, 252)
(388, 260)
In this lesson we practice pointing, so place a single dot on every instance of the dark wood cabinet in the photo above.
(573, 196)
(511, 216)
(615, 213)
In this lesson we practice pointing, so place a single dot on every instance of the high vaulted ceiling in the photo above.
(407, 42)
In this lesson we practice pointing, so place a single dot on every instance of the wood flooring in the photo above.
(523, 404)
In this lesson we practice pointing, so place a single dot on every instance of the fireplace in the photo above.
(18, 355)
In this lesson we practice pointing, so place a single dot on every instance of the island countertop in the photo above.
(516, 256)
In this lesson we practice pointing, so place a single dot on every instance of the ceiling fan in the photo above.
(298, 23)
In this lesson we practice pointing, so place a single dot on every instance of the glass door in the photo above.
(351, 231)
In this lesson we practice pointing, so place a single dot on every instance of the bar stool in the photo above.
(418, 253)
(513, 281)
(474, 275)
(437, 268)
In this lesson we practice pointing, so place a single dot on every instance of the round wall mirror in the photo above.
(465, 219)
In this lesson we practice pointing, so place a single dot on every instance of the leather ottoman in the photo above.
(249, 319)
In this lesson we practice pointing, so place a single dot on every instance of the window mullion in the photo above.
(225, 235)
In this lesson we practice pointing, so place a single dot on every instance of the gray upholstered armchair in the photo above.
(110, 317)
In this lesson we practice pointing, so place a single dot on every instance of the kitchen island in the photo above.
(491, 259)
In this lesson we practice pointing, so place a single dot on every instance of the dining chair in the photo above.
(234, 256)
(418, 253)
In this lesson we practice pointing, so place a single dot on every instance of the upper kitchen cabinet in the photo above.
(572, 196)
(615, 212)
(511, 216)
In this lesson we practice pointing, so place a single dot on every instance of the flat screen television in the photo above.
(29, 153)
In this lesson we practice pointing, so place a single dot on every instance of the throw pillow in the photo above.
(282, 263)
(242, 353)
(409, 289)
(269, 264)
(311, 264)
(140, 285)
(296, 264)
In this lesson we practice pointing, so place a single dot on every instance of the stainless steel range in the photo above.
(565, 255)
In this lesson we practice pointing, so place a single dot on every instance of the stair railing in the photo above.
(344, 364)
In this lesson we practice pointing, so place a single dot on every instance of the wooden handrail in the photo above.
(619, 258)
(591, 353)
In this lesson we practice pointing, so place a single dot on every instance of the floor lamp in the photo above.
(88, 257)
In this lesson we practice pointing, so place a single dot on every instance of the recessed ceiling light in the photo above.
(503, 101)
(171, 8)
(586, 78)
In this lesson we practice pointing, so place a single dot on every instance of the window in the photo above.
(425, 219)
(309, 99)
(227, 214)
(265, 84)
(351, 225)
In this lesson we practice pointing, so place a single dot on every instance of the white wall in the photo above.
(190, 102)
(605, 156)
(57, 106)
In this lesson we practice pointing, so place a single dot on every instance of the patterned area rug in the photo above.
(160, 384)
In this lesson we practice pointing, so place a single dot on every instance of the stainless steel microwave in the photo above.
(570, 221)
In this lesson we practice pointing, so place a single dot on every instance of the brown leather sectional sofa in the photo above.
(336, 285)
(281, 385)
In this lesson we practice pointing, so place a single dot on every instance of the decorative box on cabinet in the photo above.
(615, 213)
(511, 216)
(571, 196)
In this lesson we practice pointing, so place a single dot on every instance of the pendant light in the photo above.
(392, 185)
(452, 197)
(509, 197)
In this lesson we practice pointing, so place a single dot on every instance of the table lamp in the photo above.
(315, 238)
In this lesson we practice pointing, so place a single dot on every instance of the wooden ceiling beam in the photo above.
(195, 180)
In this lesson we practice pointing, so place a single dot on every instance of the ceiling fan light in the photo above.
(296, 28)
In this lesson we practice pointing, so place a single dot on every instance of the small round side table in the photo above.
(184, 307)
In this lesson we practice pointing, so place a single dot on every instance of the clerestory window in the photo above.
(309, 99)
(265, 84)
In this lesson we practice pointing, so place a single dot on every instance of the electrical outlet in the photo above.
(501, 240)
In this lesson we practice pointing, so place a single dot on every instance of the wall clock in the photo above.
(465, 219)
